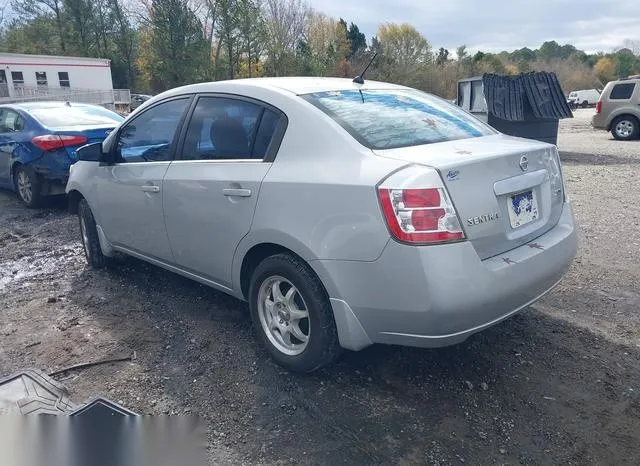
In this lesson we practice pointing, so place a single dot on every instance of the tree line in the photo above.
(159, 44)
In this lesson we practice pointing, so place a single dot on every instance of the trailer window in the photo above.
(41, 78)
(17, 78)
(63, 77)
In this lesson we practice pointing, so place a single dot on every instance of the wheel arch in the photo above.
(621, 114)
(351, 334)
(250, 253)
(74, 197)
(14, 169)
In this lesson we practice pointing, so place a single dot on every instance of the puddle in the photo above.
(37, 264)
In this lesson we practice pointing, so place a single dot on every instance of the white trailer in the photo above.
(47, 77)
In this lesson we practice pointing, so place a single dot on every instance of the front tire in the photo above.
(28, 187)
(625, 128)
(89, 237)
(292, 315)
(585, 104)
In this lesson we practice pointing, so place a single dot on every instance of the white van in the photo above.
(583, 98)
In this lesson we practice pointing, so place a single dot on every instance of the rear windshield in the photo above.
(387, 119)
(57, 117)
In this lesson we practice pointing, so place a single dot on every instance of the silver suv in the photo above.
(618, 109)
(346, 214)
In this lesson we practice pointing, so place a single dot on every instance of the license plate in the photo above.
(523, 208)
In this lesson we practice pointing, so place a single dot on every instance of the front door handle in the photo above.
(237, 192)
(150, 188)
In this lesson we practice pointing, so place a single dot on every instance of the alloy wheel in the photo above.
(624, 128)
(25, 187)
(284, 316)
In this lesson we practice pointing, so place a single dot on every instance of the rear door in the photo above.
(129, 192)
(210, 191)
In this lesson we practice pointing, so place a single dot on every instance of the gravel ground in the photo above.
(559, 383)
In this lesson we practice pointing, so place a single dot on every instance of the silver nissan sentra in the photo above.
(346, 214)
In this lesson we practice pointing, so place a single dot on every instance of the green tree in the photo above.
(124, 39)
(177, 50)
(80, 16)
(405, 49)
(252, 33)
(626, 62)
(32, 9)
(442, 57)
(357, 40)
(229, 33)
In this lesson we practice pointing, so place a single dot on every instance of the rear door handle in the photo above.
(237, 192)
(150, 188)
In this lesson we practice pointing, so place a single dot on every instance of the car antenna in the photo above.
(360, 78)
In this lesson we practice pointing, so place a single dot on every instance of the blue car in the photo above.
(38, 143)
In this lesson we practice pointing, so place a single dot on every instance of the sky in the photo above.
(496, 25)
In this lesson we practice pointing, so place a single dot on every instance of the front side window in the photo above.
(41, 78)
(388, 119)
(17, 78)
(149, 136)
(622, 91)
(63, 77)
(223, 128)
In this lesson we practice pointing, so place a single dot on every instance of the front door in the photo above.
(211, 190)
(129, 192)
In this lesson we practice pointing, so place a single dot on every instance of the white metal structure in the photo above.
(45, 77)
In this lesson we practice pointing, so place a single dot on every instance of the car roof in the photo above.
(293, 85)
(630, 79)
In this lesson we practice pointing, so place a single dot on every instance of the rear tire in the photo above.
(89, 237)
(585, 104)
(292, 315)
(28, 186)
(625, 128)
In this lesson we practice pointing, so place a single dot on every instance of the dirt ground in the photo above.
(557, 384)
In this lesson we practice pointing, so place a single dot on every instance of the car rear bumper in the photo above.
(440, 295)
(598, 121)
(53, 170)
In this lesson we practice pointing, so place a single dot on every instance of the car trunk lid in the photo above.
(507, 191)
(94, 133)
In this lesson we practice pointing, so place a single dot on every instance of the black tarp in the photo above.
(526, 97)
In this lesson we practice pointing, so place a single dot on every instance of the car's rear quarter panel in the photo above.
(319, 197)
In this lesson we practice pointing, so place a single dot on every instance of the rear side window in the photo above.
(388, 119)
(622, 91)
(10, 122)
(226, 129)
(267, 129)
(60, 117)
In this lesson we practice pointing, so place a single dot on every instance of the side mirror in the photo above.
(90, 152)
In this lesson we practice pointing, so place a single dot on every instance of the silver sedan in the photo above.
(346, 214)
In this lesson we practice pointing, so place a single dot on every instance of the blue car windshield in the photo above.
(59, 117)
(392, 118)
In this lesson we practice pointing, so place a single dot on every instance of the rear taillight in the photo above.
(57, 141)
(419, 215)
(599, 106)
